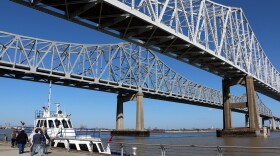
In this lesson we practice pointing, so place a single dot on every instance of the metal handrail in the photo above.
(166, 149)
(5, 137)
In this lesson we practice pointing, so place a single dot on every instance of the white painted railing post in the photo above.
(121, 149)
(162, 150)
(134, 151)
(220, 151)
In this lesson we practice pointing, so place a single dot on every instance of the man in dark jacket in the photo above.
(36, 142)
(22, 138)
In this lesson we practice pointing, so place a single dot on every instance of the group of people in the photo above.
(37, 138)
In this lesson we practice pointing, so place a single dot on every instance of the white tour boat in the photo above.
(60, 129)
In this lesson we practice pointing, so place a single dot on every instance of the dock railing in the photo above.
(3, 137)
(134, 149)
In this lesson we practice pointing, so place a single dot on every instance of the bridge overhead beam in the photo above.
(238, 105)
(239, 80)
(82, 9)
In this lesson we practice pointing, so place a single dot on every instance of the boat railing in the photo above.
(40, 114)
(76, 133)
(133, 149)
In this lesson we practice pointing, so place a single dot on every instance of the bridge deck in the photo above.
(122, 68)
(124, 21)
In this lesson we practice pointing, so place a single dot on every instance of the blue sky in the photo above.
(20, 99)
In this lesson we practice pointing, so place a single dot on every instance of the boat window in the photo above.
(83, 147)
(64, 123)
(45, 123)
(57, 123)
(38, 123)
(42, 123)
(69, 123)
(51, 125)
(94, 148)
(100, 147)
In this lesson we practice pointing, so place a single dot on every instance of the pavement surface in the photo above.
(7, 150)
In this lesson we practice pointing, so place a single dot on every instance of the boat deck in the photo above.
(5, 149)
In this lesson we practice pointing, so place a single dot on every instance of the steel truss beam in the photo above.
(220, 31)
(122, 68)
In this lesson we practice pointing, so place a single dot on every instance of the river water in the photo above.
(200, 138)
(191, 138)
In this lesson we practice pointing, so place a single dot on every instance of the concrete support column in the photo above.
(270, 125)
(262, 121)
(119, 116)
(278, 125)
(226, 104)
(246, 120)
(259, 121)
(252, 106)
(273, 124)
(139, 112)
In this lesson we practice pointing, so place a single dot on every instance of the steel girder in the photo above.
(210, 36)
(122, 68)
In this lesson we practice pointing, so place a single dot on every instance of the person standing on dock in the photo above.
(22, 138)
(31, 138)
(45, 141)
(13, 138)
(36, 143)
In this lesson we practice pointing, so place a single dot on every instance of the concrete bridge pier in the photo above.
(251, 103)
(277, 124)
(260, 123)
(139, 112)
(252, 118)
(139, 131)
(246, 120)
(273, 124)
(226, 101)
(119, 116)
(263, 119)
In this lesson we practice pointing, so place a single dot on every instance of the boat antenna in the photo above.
(49, 99)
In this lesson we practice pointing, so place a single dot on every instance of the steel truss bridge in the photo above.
(119, 68)
(210, 36)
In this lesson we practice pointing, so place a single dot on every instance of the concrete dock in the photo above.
(6, 150)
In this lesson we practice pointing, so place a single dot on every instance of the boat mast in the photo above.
(49, 99)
